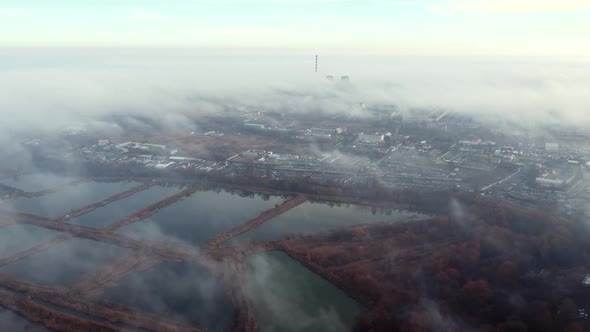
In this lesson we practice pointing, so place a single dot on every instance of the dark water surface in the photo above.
(64, 263)
(311, 217)
(185, 292)
(200, 217)
(71, 198)
(37, 181)
(122, 208)
(19, 237)
(289, 297)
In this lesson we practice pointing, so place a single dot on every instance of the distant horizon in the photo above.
(389, 27)
(288, 52)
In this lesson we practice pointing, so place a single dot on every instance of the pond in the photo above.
(37, 181)
(122, 208)
(289, 297)
(311, 217)
(19, 237)
(74, 197)
(183, 292)
(63, 263)
(201, 216)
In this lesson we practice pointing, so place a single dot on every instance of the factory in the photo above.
(320, 132)
(559, 179)
(374, 139)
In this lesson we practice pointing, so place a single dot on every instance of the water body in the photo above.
(311, 217)
(4, 191)
(19, 237)
(9, 321)
(199, 217)
(122, 208)
(288, 297)
(184, 292)
(70, 198)
(64, 263)
(37, 181)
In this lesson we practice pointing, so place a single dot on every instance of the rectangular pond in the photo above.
(199, 217)
(289, 297)
(311, 217)
(63, 263)
(183, 292)
(20, 237)
(37, 181)
(60, 203)
(119, 209)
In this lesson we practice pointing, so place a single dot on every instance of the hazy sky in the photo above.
(457, 27)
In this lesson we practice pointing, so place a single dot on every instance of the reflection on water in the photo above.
(16, 238)
(185, 292)
(70, 198)
(37, 181)
(122, 208)
(4, 192)
(64, 263)
(201, 216)
(289, 297)
(313, 217)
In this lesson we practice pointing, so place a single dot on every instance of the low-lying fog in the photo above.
(57, 88)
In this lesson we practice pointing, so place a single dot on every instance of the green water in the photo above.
(312, 217)
(37, 181)
(70, 198)
(201, 216)
(124, 207)
(64, 263)
(288, 297)
(16, 238)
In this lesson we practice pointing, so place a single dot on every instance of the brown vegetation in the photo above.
(485, 267)
(482, 265)
(107, 314)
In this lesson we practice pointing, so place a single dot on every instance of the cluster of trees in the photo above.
(496, 267)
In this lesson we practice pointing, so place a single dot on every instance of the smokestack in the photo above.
(316, 63)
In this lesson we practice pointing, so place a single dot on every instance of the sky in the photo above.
(80, 61)
(387, 27)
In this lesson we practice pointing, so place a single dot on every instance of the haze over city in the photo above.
(282, 165)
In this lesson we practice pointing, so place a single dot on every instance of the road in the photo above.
(501, 181)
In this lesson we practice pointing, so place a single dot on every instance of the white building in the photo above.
(166, 165)
(371, 138)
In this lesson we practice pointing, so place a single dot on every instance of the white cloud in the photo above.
(516, 6)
